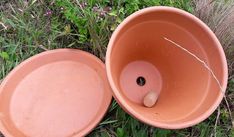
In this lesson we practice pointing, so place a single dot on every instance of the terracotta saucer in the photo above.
(58, 93)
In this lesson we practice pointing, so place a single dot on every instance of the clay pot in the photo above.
(58, 93)
(140, 59)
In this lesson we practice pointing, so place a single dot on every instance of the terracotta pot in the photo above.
(58, 93)
(140, 60)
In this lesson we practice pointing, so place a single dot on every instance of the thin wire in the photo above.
(198, 59)
(208, 68)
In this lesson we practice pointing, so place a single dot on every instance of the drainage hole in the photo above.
(140, 81)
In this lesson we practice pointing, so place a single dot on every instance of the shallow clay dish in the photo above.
(58, 93)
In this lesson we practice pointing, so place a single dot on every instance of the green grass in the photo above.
(76, 25)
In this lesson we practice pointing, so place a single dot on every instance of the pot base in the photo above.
(138, 78)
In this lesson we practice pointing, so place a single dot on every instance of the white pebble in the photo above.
(150, 99)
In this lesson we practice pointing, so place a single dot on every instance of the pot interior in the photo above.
(141, 60)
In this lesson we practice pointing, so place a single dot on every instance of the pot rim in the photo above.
(134, 113)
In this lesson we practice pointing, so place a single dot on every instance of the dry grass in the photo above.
(219, 16)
